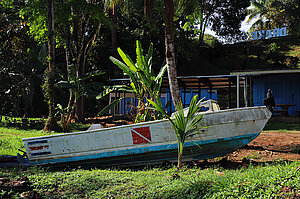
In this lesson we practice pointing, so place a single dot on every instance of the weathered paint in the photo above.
(172, 148)
(227, 130)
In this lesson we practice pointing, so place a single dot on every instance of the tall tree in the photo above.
(148, 9)
(222, 16)
(170, 52)
(51, 123)
(275, 13)
(78, 25)
(84, 19)
(111, 6)
(285, 13)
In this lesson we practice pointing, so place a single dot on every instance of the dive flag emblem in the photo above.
(141, 135)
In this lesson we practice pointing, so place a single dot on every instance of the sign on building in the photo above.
(266, 34)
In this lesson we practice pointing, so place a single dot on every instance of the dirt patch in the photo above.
(110, 121)
(269, 146)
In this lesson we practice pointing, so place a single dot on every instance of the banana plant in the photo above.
(143, 81)
(107, 90)
(77, 88)
(185, 126)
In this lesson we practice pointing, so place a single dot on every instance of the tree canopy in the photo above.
(84, 33)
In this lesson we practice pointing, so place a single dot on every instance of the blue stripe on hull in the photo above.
(209, 149)
(38, 142)
(41, 153)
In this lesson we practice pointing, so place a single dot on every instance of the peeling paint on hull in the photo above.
(148, 142)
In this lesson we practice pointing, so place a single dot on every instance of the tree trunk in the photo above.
(148, 7)
(114, 41)
(170, 52)
(79, 116)
(51, 124)
(180, 155)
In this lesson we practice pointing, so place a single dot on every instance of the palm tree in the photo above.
(51, 123)
(185, 124)
(170, 52)
(113, 5)
(258, 12)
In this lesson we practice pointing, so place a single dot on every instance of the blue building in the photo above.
(285, 85)
(239, 89)
(206, 87)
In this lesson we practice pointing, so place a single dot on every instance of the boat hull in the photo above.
(193, 151)
(150, 142)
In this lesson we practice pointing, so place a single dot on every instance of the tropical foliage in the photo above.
(269, 14)
(258, 12)
(84, 38)
(201, 15)
(20, 65)
(77, 87)
(185, 125)
(143, 81)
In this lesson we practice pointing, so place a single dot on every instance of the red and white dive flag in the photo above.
(141, 135)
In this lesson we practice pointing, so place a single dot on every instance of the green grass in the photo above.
(11, 139)
(282, 126)
(262, 181)
(6, 119)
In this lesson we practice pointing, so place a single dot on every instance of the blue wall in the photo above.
(189, 94)
(285, 87)
(129, 103)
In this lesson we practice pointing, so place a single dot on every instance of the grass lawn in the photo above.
(11, 137)
(262, 181)
(283, 124)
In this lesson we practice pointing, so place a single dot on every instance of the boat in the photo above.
(150, 142)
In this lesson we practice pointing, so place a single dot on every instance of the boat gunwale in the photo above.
(138, 124)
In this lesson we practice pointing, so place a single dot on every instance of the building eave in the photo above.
(264, 72)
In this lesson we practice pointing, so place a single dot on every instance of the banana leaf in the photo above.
(110, 106)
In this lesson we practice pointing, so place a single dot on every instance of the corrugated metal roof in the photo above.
(265, 72)
(213, 81)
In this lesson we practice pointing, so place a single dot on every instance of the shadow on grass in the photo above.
(283, 124)
(223, 163)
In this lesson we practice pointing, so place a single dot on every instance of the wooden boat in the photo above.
(150, 142)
